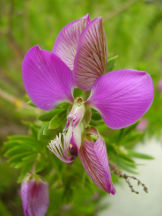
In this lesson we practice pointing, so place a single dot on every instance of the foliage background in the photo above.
(133, 30)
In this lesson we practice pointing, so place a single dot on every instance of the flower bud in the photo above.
(77, 113)
(34, 195)
(142, 125)
(159, 86)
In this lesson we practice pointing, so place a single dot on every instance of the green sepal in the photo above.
(48, 115)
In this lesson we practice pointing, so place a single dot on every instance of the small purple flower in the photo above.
(142, 125)
(159, 86)
(79, 59)
(35, 199)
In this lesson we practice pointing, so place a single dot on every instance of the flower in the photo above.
(159, 86)
(66, 145)
(34, 195)
(79, 59)
(142, 125)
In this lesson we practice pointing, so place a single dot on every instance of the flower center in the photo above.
(73, 151)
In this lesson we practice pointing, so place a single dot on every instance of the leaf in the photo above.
(24, 171)
(96, 115)
(50, 114)
(21, 138)
(41, 130)
(140, 155)
(16, 159)
(34, 130)
(45, 128)
(21, 150)
(57, 121)
(16, 150)
(12, 144)
(77, 93)
(123, 164)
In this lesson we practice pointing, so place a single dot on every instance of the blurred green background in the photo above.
(134, 36)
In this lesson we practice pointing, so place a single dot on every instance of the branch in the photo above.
(8, 35)
(120, 10)
(14, 46)
(126, 177)
(17, 102)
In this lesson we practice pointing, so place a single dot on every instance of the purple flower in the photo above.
(34, 195)
(142, 125)
(159, 86)
(79, 59)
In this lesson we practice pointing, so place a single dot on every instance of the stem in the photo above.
(8, 35)
(126, 177)
(18, 103)
(15, 101)
(120, 10)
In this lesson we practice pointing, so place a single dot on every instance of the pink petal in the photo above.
(95, 162)
(47, 79)
(66, 145)
(122, 96)
(142, 125)
(35, 198)
(77, 113)
(91, 56)
(67, 41)
(159, 86)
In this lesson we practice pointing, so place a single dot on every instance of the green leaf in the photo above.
(95, 115)
(45, 128)
(25, 169)
(11, 144)
(50, 114)
(21, 138)
(16, 150)
(140, 155)
(16, 159)
(41, 130)
(77, 93)
(57, 121)
(34, 130)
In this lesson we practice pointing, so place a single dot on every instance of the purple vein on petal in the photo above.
(67, 41)
(93, 156)
(91, 57)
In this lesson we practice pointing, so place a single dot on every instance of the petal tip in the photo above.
(112, 191)
(34, 48)
(87, 17)
(97, 20)
(67, 40)
(91, 56)
(94, 158)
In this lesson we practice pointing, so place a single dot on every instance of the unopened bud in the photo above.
(34, 195)
(142, 125)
